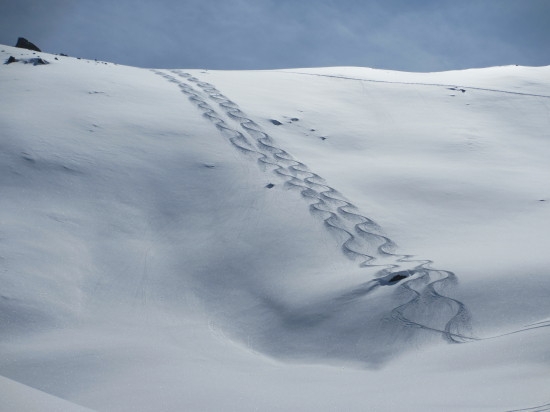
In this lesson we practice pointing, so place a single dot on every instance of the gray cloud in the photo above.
(423, 35)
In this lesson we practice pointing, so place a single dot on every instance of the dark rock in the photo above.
(294, 119)
(62, 54)
(275, 122)
(397, 278)
(457, 89)
(37, 61)
(269, 185)
(23, 43)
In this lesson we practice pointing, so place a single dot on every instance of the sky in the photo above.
(409, 35)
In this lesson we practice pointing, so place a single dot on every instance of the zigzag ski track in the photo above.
(359, 235)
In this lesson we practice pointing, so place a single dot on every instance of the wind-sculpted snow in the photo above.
(422, 305)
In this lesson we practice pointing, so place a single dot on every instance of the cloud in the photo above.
(258, 34)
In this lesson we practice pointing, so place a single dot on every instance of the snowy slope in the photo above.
(18, 397)
(166, 246)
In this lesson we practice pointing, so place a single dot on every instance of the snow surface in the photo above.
(18, 397)
(165, 246)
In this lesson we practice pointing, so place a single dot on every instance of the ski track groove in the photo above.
(541, 408)
(336, 210)
(415, 83)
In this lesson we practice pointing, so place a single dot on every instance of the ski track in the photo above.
(415, 83)
(541, 408)
(360, 236)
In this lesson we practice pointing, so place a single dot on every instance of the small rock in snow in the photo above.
(37, 61)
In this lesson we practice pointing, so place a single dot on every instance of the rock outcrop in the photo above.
(23, 43)
(35, 61)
